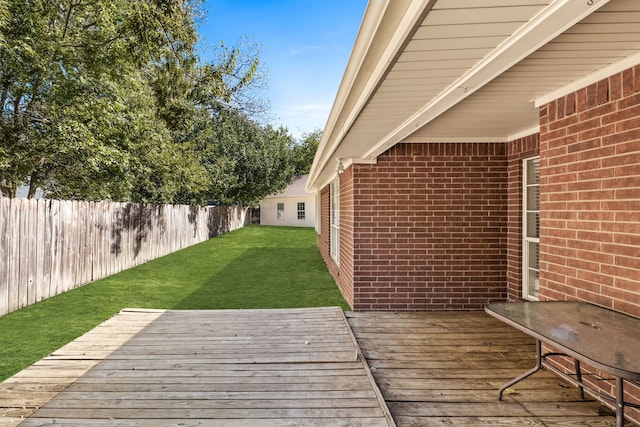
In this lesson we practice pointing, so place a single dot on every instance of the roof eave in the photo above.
(385, 28)
(354, 95)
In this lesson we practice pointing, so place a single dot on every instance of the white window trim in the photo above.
(334, 220)
(529, 289)
(302, 211)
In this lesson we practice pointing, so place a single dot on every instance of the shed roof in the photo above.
(465, 70)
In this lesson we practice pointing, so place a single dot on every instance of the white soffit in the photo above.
(472, 70)
(385, 28)
(602, 44)
(541, 24)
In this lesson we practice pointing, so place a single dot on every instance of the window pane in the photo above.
(533, 198)
(334, 208)
(533, 284)
(533, 273)
(534, 256)
(533, 224)
(533, 171)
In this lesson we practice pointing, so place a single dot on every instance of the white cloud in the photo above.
(301, 49)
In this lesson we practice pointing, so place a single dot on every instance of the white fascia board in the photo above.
(472, 139)
(552, 21)
(346, 162)
(453, 139)
(601, 74)
(524, 133)
(327, 145)
(332, 138)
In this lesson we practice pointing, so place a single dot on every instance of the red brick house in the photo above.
(485, 150)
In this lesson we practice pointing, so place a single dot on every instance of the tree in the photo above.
(4, 15)
(305, 150)
(245, 161)
(108, 99)
(120, 150)
(64, 65)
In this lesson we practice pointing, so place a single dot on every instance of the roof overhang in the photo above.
(462, 70)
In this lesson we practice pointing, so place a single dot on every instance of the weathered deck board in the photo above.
(443, 368)
(293, 368)
(229, 367)
(22, 394)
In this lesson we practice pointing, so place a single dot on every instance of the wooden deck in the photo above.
(445, 368)
(299, 367)
(215, 368)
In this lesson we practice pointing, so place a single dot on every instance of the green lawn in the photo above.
(254, 267)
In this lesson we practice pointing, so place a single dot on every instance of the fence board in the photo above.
(5, 206)
(14, 257)
(49, 246)
(56, 249)
(31, 270)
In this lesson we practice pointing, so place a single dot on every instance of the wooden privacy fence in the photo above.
(48, 246)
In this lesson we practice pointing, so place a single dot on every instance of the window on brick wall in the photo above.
(334, 206)
(280, 211)
(301, 211)
(318, 212)
(531, 228)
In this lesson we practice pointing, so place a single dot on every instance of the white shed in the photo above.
(294, 207)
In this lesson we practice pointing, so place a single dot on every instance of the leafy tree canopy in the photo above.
(305, 150)
(244, 160)
(108, 100)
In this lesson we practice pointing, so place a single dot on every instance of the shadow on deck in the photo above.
(445, 368)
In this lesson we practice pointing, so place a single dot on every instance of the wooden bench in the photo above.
(603, 338)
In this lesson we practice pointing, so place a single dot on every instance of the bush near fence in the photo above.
(48, 246)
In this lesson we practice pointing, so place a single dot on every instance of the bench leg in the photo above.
(526, 374)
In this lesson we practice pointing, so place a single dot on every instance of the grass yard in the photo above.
(254, 267)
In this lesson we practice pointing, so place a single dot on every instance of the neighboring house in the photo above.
(485, 150)
(23, 192)
(294, 207)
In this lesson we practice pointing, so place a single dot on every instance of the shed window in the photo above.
(301, 211)
(280, 211)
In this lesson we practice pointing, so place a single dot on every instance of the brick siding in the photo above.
(590, 197)
(342, 276)
(429, 223)
(590, 194)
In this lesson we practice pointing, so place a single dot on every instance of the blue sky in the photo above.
(304, 48)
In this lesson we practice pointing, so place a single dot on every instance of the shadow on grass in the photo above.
(268, 278)
(254, 267)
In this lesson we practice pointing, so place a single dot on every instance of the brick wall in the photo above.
(590, 197)
(590, 194)
(323, 237)
(343, 274)
(346, 268)
(517, 151)
(430, 227)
